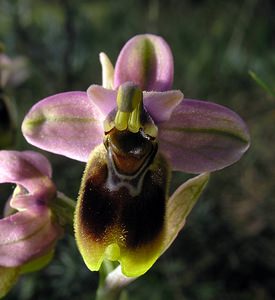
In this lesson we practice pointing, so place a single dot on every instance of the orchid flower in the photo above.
(13, 71)
(132, 132)
(28, 230)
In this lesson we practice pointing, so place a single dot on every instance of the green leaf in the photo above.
(262, 83)
(180, 205)
(8, 277)
(37, 264)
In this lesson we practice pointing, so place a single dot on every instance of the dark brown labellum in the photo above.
(124, 189)
(129, 151)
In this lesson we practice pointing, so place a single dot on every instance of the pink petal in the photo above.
(25, 236)
(147, 61)
(68, 124)
(202, 137)
(104, 99)
(23, 169)
(39, 161)
(35, 203)
(160, 105)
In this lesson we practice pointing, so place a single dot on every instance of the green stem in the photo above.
(63, 208)
(111, 284)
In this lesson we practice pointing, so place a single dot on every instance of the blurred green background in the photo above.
(227, 249)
